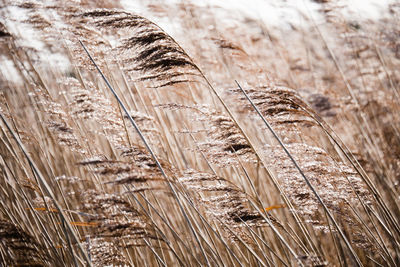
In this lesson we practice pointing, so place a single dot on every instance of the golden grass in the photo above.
(203, 181)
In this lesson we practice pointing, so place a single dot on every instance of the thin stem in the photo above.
(149, 149)
(353, 253)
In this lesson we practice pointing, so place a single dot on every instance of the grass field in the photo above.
(177, 133)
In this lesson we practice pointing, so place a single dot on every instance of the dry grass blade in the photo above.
(150, 151)
(157, 161)
(338, 185)
(329, 214)
(47, 188)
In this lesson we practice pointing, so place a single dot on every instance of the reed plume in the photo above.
(188, 174)
(19, 248)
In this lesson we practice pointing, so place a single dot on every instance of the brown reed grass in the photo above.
(210, 186)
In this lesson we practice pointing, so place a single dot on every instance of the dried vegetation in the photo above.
(187, 172)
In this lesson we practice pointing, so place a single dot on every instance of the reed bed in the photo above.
(205, 144)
